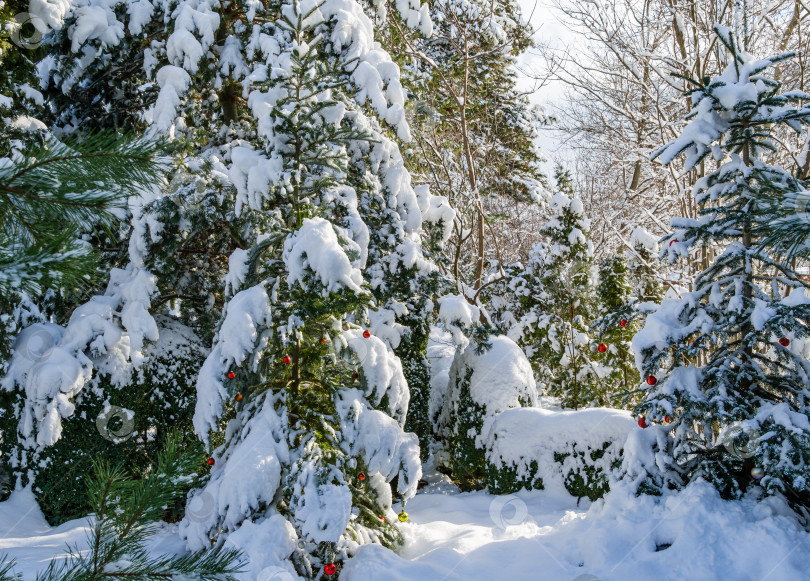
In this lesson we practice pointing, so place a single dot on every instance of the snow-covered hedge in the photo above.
(492, 432)
(541, 448)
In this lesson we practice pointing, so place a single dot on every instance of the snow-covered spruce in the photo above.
(727, 362)
(548, 305)
(329, 222)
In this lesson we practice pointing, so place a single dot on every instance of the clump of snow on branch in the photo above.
(458, 315)
(314, 249)
(246, 317)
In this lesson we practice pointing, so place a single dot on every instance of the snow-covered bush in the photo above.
(532, 448)
(485, 379)
(123, 418)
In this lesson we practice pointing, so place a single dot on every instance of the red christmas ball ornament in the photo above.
(642, 422)
(238, 397)
(666, 419)
(329, 569)
(323, 340)
(231, 375)
(602, 348)
(361, 477)
(366, 333)
(382, 518)
(784, 341)
(356, 376)
(623, 323)
(652, 380)
(210, 461)
(287, 359)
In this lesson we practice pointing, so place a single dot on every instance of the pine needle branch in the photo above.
(126, 515)
(56, 194)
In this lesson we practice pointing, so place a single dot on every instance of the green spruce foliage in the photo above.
(727, 357)
(613, 332)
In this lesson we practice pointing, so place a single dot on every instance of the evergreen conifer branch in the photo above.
(126, 514)
(60, 192)
(7, 569)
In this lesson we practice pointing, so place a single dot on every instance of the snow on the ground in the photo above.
(26, 537)
(454, 536)
(540, 535)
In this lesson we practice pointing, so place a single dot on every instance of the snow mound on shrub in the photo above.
(519, 436)
(501, 376)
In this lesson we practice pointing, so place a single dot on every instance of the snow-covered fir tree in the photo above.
(317, 432)
(726, 363)
(554, 298)
(65, 197)
(612, 333)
